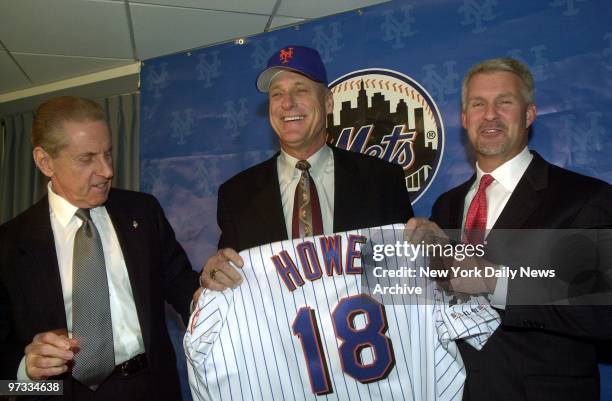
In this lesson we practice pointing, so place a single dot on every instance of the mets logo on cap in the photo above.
(387, 114)
(285, 55)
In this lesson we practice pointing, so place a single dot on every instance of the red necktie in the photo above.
(307, 218)
(476, 220)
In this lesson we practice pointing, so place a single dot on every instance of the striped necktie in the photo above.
(307, 218)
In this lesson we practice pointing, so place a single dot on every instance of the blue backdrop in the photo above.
(203, 119)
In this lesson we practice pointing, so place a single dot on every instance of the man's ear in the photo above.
(329, 101)
(43, 161)
(530, 115)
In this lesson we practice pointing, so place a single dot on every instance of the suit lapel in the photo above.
(267, 204)
(526, 197)
(457, 203)
(39, 264)
(346, 189)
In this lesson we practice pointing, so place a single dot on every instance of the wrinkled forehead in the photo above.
(92, 132)
(498, 83)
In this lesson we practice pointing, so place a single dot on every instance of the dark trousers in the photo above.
(135, 387)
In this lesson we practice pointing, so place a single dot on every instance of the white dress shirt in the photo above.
(506, 176)
(322, 173)
(127, 336)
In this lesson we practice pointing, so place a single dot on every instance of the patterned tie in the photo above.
(91, 315)
(476, 220)
(307, 218)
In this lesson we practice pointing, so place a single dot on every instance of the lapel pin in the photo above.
(135, 224)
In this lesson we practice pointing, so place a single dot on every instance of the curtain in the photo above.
(123, 117)
(21, 184)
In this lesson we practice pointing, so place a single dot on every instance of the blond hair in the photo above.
(501, 64)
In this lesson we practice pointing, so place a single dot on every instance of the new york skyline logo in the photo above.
(386, 114)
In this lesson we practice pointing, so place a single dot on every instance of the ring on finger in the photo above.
(213, 273)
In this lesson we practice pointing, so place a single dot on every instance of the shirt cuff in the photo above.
(499, 298)
(21, 371)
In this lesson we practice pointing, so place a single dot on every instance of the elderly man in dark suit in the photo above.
(540, 352)
(269, 202)
(85, 271)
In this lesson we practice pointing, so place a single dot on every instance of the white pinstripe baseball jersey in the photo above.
(299, 328)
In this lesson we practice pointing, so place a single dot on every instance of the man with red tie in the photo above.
(309, 187)
(539, 352)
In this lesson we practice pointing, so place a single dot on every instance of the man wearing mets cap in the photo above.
(343, 190)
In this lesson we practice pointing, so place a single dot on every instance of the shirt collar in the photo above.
(62, 209)
(509, 173)
(317, 161)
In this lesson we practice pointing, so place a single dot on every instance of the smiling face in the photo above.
(82, 171)
(496, 117)
(298, 110)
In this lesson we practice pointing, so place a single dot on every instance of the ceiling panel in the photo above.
(251, 6)
(189, 28)
(95, 90)
(278, 22)
(65, 27)
(53, 40)
(320, 8)
(11, 78)
(43, 69)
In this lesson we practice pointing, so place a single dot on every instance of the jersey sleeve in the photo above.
(472, 319)
(202, 332)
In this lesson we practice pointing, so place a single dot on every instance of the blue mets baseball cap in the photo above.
(300, 59)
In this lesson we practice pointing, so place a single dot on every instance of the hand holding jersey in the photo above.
(220, 273)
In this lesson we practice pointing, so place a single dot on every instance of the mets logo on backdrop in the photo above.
(387, 114)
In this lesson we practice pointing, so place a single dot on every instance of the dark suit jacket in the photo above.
(368, 192)
(539, 352)
(30, 288)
